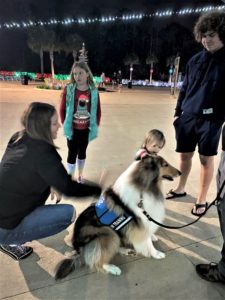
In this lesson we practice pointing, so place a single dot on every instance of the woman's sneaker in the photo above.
(17, 252)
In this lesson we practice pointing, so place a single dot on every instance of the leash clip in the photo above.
(217, 201)
(140, 203)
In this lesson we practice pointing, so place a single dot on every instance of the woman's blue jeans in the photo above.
(44, 221)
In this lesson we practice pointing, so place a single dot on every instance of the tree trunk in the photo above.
(151, 71)
(42, 62)
(74, 55)
(52, 63)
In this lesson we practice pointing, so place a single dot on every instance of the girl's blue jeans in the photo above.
(44, 221)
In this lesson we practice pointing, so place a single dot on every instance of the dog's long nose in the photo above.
(179, 173)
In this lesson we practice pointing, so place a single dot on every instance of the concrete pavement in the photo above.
(126, 117)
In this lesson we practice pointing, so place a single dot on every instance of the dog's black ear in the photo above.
(143, 156)
(146, 171)
(150, 163)
(152, 168)
(146, 156)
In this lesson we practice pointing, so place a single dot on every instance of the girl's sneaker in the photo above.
(17, 252)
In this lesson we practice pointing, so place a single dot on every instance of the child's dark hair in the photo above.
(212, 21)
(153, 135)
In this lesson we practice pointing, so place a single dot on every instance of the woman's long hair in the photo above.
(36, 121)
(83, 65)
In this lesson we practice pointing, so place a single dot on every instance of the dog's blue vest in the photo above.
(109, 217)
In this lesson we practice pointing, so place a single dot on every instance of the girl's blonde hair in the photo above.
(152, 136)
(83, 65)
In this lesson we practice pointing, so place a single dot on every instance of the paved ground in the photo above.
(126, 117)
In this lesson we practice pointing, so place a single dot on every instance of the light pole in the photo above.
(151, 71)
(170, 74)
(175, 75)
(131, 70)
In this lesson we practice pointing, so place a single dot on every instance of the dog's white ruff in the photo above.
(154, 207)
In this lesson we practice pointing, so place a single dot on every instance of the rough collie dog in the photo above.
(119, 219)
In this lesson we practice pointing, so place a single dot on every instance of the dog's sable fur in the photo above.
(95, 245)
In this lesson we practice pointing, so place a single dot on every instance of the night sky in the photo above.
(14, 52)
(41, 9)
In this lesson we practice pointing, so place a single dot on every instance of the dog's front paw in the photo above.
(112, 269)
(158, 254)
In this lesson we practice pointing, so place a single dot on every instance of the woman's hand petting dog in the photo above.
(55, 194)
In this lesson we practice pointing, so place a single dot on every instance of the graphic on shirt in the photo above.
(81, 117)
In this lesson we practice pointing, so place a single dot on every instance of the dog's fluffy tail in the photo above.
(67, 266)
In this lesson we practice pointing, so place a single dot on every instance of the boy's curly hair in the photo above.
(212, 21)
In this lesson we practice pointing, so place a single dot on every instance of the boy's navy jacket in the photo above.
(203, 89)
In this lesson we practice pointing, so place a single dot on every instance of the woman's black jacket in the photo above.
(28, 169)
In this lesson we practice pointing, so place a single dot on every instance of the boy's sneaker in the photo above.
(210, 272)
(17, 252)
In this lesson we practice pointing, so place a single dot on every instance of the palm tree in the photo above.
(40, 40)
(52, 45)
(131, 59)
(151, 60)
(36, 42)
(72, 44)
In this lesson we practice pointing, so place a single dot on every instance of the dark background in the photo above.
(107, 43)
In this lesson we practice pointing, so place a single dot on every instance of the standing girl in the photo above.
(80, 114)
(154, 141)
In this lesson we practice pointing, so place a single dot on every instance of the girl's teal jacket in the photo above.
(67, 125)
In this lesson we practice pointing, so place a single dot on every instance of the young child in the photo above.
(154, 141)
(80, 114)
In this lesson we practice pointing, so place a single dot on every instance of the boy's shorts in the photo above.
(192, 131)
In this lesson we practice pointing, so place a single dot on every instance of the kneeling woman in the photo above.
(30, 170)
